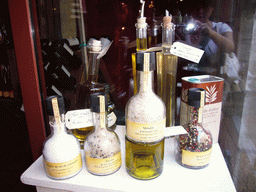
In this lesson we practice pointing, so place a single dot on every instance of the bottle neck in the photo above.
(196, 115)
(100, 121)
(94, 64)
(145, 79)
(57, 128)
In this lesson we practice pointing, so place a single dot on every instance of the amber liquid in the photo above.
(144, 160)
(170, 99)
(83, 102)
(141, 44)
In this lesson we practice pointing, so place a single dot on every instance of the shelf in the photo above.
(215, 177)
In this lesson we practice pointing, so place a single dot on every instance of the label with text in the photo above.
(63, 169)
(196, 158)
(142, 132)
(187, 52)
(103, 166)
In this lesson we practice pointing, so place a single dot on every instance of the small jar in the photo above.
(101, 147)
(61, 151)
(194, 149)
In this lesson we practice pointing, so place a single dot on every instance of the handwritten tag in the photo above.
(174, 130)
(111, 119)
(187, 52)
(78, 119)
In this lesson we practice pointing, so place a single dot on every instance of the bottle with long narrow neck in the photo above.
(61, 151)
(166, 71)
(145, 123)
(141, 42)
(83, 91)
(194, 149)
(101, 147)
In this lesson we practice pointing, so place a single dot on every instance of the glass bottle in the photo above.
(194, 149)
(111, 113)
(101, 147)
(145, 123)
(61, 151)
(141, 42)
(83, 91)
(166, 71)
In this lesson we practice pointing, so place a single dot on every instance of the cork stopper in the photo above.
(167, 20)
(196, 97)
(145, 61)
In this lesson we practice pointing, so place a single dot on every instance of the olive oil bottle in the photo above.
(145, 123)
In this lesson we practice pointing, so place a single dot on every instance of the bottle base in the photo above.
(144, 173)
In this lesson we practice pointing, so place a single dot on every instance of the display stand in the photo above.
(215, 177)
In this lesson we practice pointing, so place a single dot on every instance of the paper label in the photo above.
(174, 130)
(196, 158)
(63, 169)
(76, 119)
(106, 165)
(145, 132)
(111, 119)
(187, 52)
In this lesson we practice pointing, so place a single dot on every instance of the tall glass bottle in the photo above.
(167, 70)
(101, 147)
(145, 123)
(141, 42)
(61, 151)
(194, 149)
(84, 89)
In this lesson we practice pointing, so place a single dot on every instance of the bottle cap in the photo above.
(95, 102)
(61, 104)
(196, 97)
(145, 61)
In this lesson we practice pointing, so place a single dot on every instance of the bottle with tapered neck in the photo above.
(61, 151)
(194, 149)
(83, 90)
(167, 70)
(145, 123)
(141, 42)
(102, 146)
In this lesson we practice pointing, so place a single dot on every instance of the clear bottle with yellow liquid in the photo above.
(80, 119)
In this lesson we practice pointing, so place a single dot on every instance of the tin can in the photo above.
(212, 110)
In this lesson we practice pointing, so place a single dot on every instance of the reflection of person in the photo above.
(215, 38)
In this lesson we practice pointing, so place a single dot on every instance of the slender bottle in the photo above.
(83, 91)
(141, 41)
(145, 123)
(101, 147)
(61, 151)
(194, 149)
(166, 71)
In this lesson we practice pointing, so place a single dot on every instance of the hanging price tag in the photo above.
(187, 51)
(78, 119)
(173, 131)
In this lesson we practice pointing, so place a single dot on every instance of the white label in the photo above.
(174, 130)
(187, 52)
(65, 70)
(68, 49)
(76, 119)
(111, 119)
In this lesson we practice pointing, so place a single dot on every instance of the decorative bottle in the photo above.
(101, 147)
(141, 41)
(194, 149)
(145, 123)
(167, 70)
(81, 116)
(61, 151)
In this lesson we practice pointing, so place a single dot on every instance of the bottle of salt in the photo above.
(61, 151)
